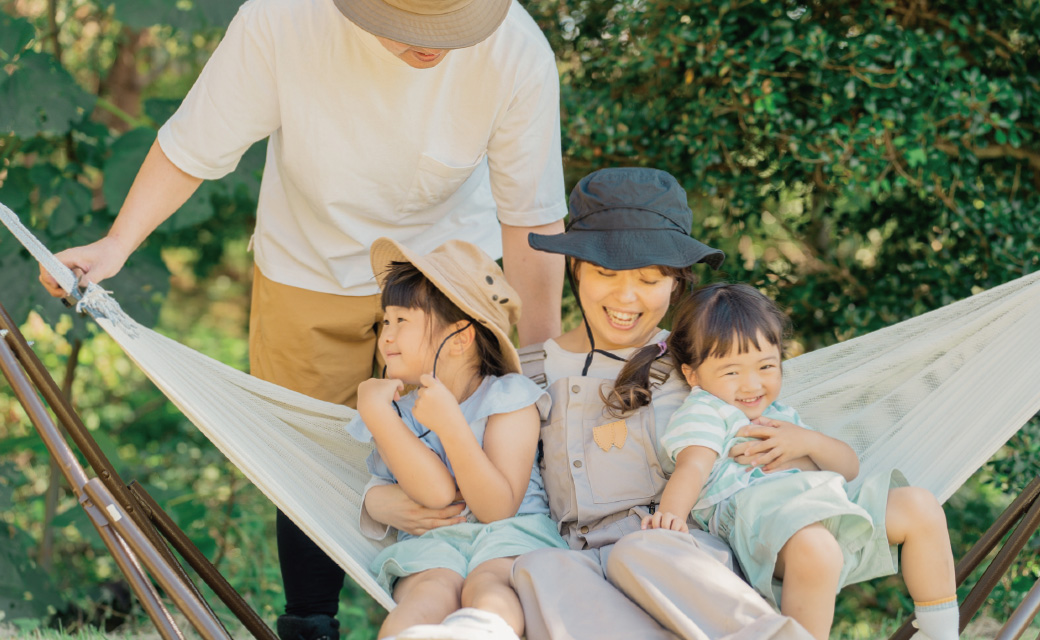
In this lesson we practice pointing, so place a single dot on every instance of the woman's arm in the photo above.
(417, 469)
(784, 442)
(692, 468)
(390, 505)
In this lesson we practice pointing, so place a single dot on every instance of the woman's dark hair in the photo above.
(407, 287)
(710, 322)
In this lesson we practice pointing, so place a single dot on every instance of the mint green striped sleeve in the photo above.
(778, 411)
(694, 423)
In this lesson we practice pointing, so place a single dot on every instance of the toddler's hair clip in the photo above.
(662, 346)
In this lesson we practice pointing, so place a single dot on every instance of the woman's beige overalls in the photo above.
(602, 475)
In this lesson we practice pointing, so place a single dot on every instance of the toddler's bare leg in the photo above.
(915, 519)
(487, 588)
(809, 566)
(423, 598)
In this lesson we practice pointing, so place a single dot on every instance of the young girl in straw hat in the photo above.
(471, 426)
(799, 530)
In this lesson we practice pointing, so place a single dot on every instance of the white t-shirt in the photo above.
(363, 146)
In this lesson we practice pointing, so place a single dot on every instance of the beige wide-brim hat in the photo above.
(437, 24)
(469, 278)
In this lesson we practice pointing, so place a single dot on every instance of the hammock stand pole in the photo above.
(1025, 513)
(135, 534)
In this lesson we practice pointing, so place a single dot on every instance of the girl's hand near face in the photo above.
(437, 408)
(376, 394)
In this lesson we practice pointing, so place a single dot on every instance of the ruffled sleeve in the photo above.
(357, 429)
(506, 394)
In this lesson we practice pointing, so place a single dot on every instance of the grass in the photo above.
(870, 629)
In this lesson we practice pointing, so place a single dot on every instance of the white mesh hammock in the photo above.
(934, 396)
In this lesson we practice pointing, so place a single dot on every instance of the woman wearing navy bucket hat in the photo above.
(630, 256)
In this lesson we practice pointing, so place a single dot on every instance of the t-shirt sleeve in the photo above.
(778, 411)
(510, 393)
(233, 103)
(524, 156)
(694, 423)
(369, 526)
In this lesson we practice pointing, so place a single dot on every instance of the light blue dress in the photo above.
(463, 547)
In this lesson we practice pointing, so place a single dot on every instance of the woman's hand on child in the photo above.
(436, 407)
(665, 520)
(389, 504)
(778, 444)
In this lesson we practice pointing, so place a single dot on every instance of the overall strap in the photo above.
(532, 363)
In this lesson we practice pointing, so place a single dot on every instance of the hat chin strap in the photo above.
(435, 356)
(588, 330)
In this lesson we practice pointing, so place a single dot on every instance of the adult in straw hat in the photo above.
(421, 120)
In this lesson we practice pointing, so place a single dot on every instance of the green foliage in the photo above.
(865, 162)
(862, 162)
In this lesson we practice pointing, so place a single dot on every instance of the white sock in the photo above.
(939, 620)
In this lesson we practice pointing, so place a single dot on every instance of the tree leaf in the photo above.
(15, 34)
(126, 155)
(41, 97)
(74, 203)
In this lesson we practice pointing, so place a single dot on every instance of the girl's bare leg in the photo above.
(423, 598)
(809, 566)
(487, 588)
(915, 519)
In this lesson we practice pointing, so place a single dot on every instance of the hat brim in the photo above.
(385, 252)
(455, 30)
(620, 250)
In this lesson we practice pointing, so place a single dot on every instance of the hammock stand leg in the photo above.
(1025, 513)
(137, 530)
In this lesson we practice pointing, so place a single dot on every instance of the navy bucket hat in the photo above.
(629, 218)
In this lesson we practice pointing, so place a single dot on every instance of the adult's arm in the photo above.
(159, 189)
(387, 504)
(538, 278)
(232, 104)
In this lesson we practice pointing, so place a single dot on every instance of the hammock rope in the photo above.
(935, 396)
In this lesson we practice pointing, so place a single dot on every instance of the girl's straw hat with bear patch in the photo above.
(438, 24)
(469, 278)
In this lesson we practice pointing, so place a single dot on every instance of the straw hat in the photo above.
(438, 24)
(469, 278)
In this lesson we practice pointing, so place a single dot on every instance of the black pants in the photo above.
(312, 580)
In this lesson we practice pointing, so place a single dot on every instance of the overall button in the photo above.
(576, 389)
(584, 529)
(577, 464)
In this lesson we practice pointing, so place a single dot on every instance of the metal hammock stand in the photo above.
(137, 531)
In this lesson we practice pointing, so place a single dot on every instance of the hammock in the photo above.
(934, 396)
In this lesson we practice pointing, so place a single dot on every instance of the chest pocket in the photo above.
(622, 463)
(434, 182)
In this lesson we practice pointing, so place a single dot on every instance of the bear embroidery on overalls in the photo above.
(611, 435)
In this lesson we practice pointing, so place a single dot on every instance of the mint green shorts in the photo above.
(759, 520)
(463, 547)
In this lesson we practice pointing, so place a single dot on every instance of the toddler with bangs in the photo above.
(775, 489)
